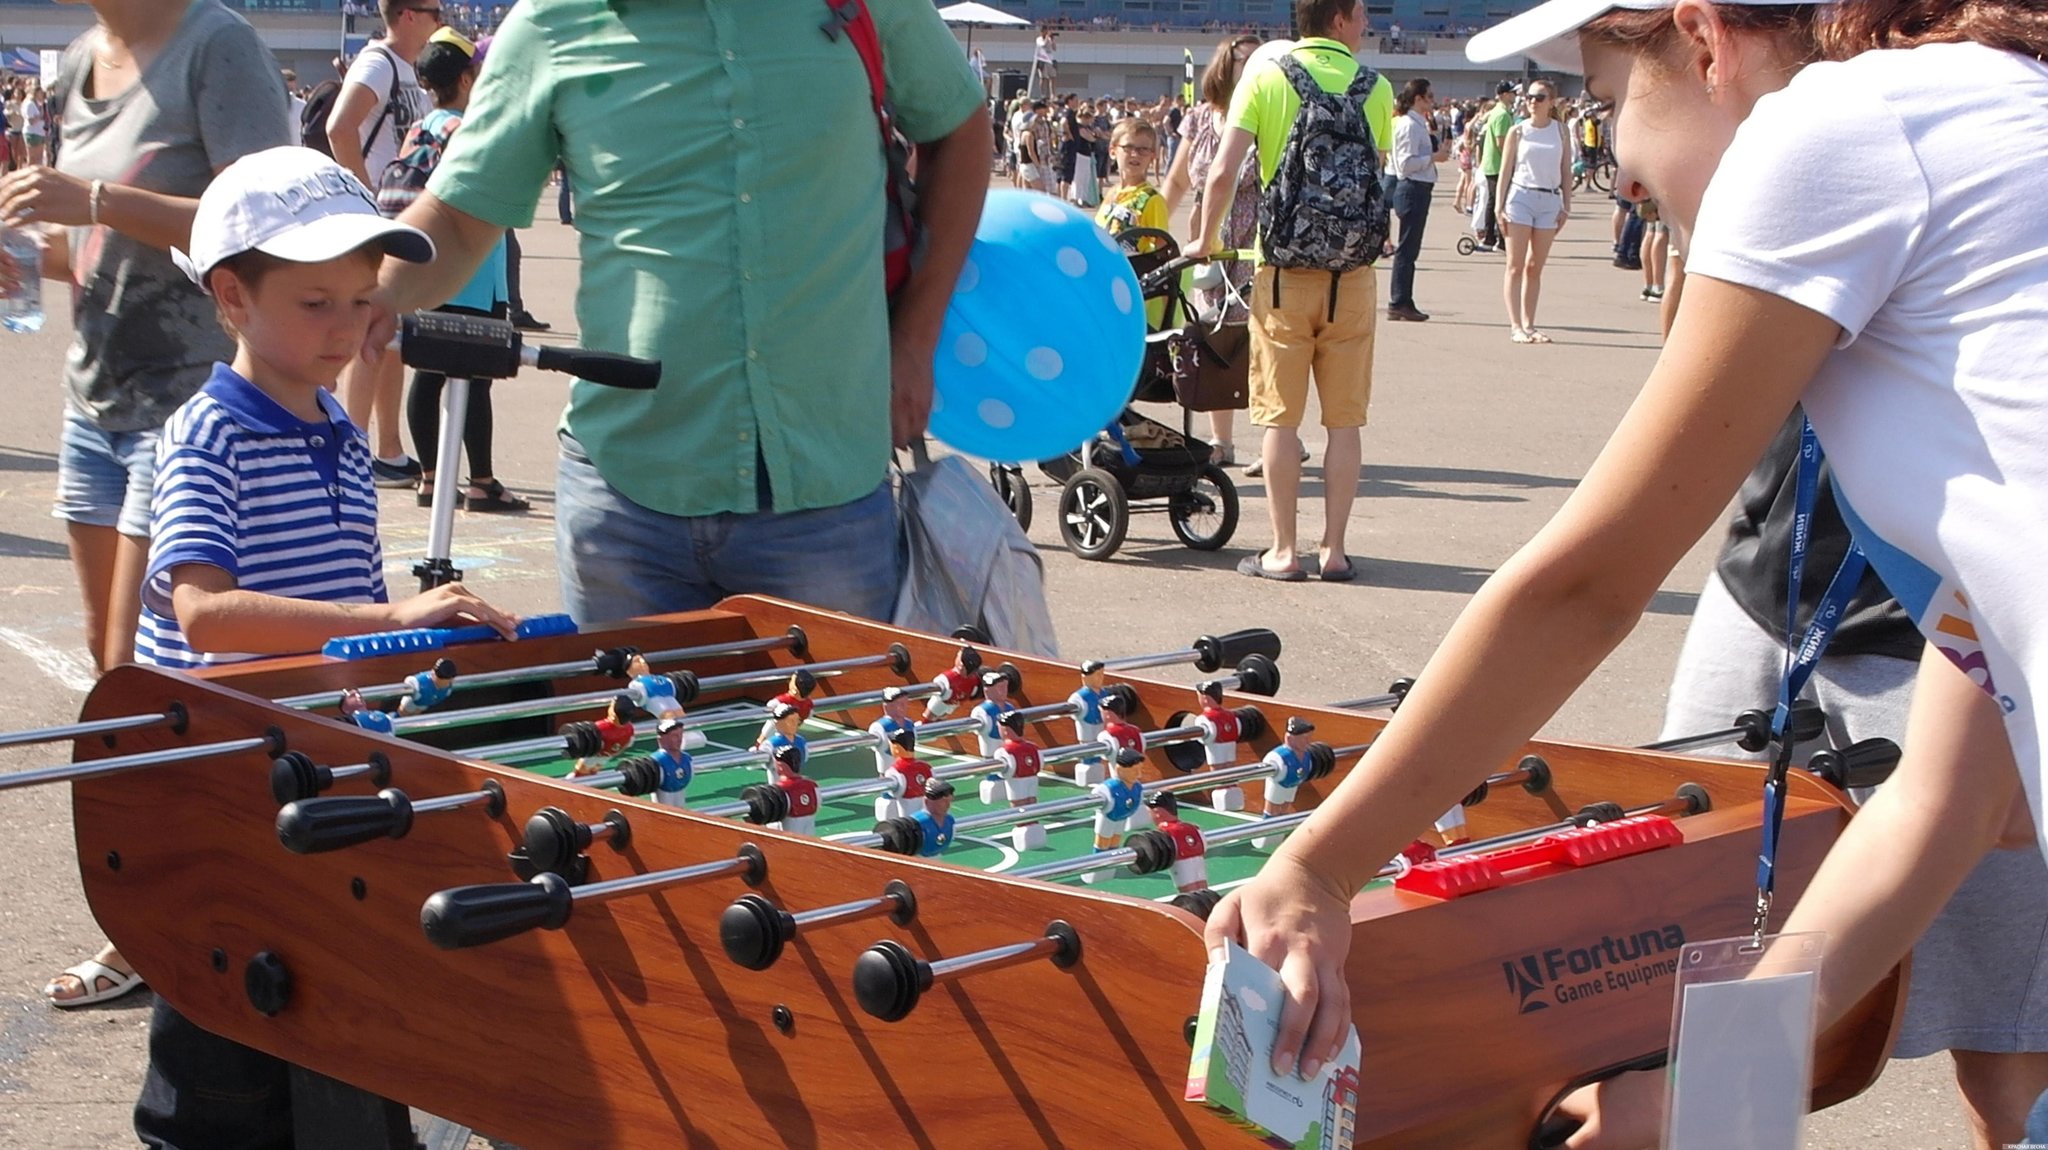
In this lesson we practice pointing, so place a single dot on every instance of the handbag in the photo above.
(966, 561)
(1211, 366)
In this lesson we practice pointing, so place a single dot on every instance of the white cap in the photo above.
(1548, 33)
(297, 205)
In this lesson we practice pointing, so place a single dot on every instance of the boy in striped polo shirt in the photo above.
(263, 532)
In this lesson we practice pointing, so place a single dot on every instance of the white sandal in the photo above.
(90, 974)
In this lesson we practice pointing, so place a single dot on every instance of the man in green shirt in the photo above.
(1493, 132)
(1306, 323)
(730, 188)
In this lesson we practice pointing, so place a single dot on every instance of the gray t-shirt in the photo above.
(146, 337)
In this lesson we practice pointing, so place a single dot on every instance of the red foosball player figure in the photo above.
(957, 684)
(1019, 781)
(1219, 741)
(429, 688)
(362, 714)
(801, 792)
(895, 717)
(1190, 866)
(614, 734)
(797, 693)
(908, 777)
(1118, 734)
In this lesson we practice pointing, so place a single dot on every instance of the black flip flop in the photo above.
(1254, 565)
(1344, 574)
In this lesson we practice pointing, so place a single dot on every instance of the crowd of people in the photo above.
(257, 348)
(26, 142)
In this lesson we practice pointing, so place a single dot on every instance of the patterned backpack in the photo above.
(1324, 208)
(405, 177)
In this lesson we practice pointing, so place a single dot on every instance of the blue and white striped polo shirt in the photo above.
(287, 507)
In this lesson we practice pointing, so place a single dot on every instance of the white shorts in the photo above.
(672, 798)
(1219, 754)
(1191, 872)
(1024, 790)
(1106, 826)
(1277, 795)
(1533, 207)
(801, 824)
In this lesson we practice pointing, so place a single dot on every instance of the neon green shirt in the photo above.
(729, 192)
(1493, 136)
(1265, 104)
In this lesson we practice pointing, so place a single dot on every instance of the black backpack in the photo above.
(320, 105)
(1325, 208)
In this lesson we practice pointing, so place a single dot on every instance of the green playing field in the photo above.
(1067, 836)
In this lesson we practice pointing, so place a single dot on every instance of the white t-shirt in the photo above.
(32, 119)
(1888, 194)
(1539, 158)
(373, 69)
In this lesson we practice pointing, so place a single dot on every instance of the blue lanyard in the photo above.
(1802, 654)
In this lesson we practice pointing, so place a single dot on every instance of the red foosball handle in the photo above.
(1580, 847)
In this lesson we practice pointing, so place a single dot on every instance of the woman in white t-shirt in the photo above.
(1533, 204)
(1864, 241)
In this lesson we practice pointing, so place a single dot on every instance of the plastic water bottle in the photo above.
(21, 309)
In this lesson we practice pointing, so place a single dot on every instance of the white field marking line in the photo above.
(69, 668)
(1009, 858)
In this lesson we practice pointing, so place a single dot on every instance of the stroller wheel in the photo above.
(1467, 246)
(1015, 493)
(1094, 514)
(1205, 515)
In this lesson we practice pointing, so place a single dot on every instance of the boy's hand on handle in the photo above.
(1296, 922)
(451, 603)
(1623, 1113)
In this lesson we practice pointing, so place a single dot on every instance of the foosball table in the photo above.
(546, 894)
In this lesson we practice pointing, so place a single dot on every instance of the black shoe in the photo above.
(405, 474)
(1407, 312)
(524, 321)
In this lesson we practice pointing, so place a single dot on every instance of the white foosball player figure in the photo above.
(1120, 799)
(1087, 704)
(995, 703)
(895, 717)
(957, 684)
(1220, 732)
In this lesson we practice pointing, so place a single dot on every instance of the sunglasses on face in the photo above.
(1539, 98)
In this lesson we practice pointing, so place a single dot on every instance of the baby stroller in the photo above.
(1200, 364)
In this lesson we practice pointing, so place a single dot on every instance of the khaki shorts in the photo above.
(1296, 336)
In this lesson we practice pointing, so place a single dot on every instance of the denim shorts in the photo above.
(104, 477)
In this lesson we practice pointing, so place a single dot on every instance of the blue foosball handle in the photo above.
(435, 638)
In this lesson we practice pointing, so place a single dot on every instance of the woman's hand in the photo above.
(451, 603)
(44, 195)
(1299, 923)
(1623, 1113)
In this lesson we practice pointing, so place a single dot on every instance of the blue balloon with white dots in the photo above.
(1045, 335)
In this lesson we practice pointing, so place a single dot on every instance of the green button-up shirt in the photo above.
(728, 174)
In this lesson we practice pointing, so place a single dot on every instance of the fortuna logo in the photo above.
(1562, 975)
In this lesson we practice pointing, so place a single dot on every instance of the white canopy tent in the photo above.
(971, 16)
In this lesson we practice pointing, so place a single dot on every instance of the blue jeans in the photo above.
(1411, 204)
(104, 477)
(2037, 1123)
(620, 559)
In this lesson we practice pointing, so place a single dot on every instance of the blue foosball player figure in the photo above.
(895, 717)
(1087, 704)
(1121, 798)
(655, 694)
(783, 721)
(935, 821)
(672, 755)
(362, 714)
(429, 688)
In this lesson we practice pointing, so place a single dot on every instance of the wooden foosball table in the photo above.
(448, 915)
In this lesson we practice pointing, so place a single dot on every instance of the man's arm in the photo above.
(1220, 189)
(953, 182)
(461, 242)
(353, 108)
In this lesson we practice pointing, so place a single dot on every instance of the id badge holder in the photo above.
(1742, 1039)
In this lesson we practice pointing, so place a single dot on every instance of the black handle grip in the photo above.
(1861, 764)
(466, 346)
(466, 916)
(600, 367)
(1808, 723)
(313, 826)
(1219, 651)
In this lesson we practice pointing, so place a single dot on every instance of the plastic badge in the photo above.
(1742, 1043)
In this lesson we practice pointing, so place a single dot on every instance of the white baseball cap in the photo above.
(1549, 32)
(297, 205)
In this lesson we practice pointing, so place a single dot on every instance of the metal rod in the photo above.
(1162, 659)
(994, 958)
(82, 730)
(538, 672)
(757, 756)
(72, 772)
(451, 802)
(1122, 856)
(848, 911)
(551, 745)
(1369, 703)
(1691, 742)
(655, 880)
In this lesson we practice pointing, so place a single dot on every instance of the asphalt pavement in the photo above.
(1474, 442)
